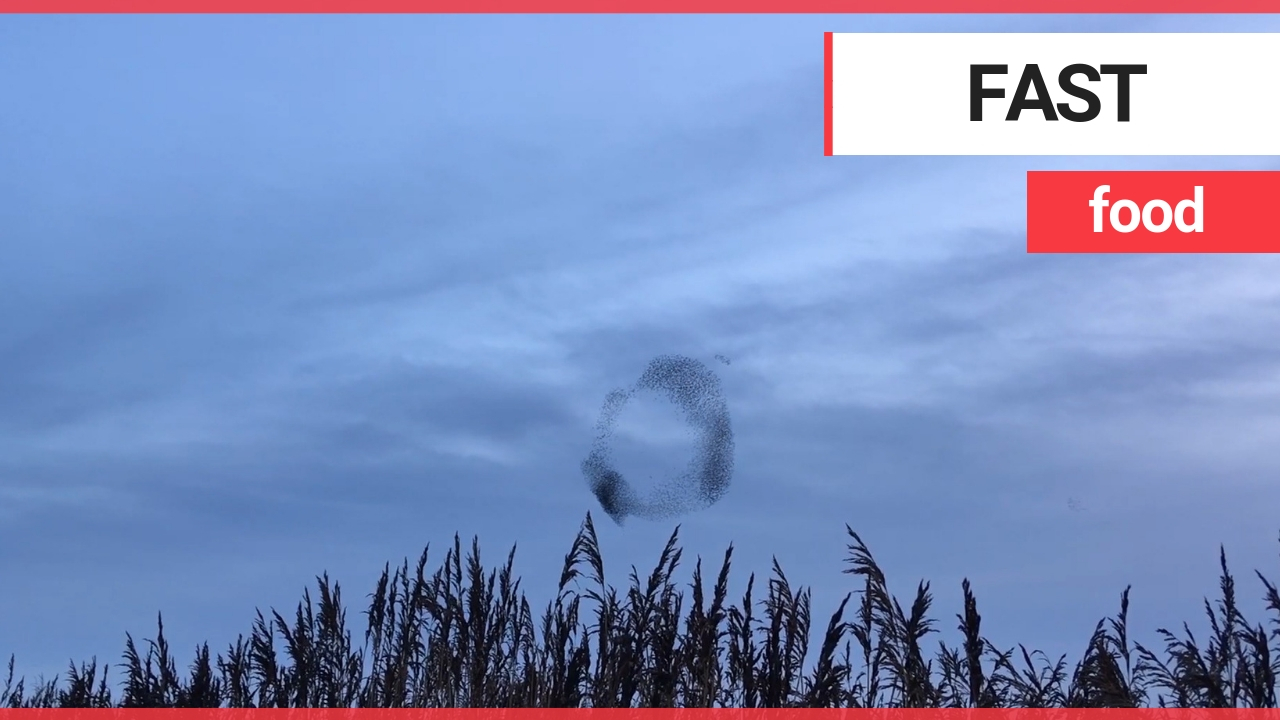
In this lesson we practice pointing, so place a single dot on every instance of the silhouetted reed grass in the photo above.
(463, 635)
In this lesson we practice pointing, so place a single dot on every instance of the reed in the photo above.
(461, 634)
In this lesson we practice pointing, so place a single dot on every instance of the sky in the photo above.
(287, 295)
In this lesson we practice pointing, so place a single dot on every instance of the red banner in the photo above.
(1153, 212)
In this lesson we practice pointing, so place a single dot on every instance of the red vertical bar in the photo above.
(828, 42)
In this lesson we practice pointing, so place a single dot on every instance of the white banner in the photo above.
(1053, 94)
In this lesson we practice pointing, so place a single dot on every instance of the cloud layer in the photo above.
(286, 295)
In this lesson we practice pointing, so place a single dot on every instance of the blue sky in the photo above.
(286, 295)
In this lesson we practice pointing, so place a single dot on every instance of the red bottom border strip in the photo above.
(644, 714)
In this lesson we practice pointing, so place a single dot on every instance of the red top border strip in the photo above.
(642, 6)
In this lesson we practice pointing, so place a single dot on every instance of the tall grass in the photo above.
(465, 635)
